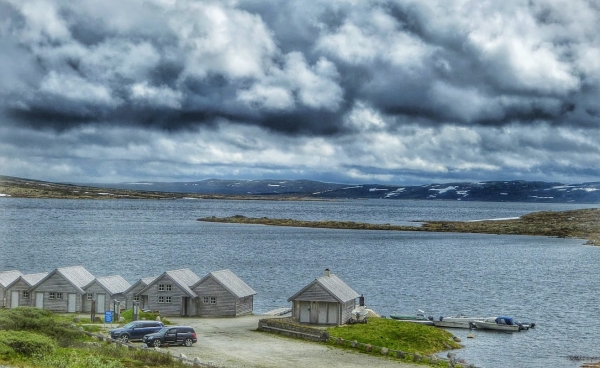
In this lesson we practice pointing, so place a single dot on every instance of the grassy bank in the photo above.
(583, 224)
(31, 337)
(394, 335)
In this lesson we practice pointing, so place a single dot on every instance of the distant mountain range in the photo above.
(496, 191)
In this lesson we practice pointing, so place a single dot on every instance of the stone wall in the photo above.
(288, 327)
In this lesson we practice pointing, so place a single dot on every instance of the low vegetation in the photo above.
(394, 335)
(31, 337)
(582, 224)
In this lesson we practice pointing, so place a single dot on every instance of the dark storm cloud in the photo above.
(298, 67)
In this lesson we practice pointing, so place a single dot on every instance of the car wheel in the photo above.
(124, 338)
(156, 343)
(188, 342)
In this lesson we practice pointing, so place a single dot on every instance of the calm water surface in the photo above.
(552, 282)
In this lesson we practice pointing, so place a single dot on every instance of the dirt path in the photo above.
(234, 342)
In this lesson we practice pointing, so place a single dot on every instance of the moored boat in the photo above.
(416, 318)
(501, 323)
(458, 321)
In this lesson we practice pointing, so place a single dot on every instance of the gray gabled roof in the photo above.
(231, 282)
(78, 276)
(113, 284)
(143, 282)
(184, 278)
(7, 277)
(334, 286)
(29, 279)
(34, 278)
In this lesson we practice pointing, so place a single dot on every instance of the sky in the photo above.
(400, 92)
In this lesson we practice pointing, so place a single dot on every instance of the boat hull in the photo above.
(497, 327)
(456, 322)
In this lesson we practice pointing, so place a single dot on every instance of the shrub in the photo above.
(40, 321)
(27, 343)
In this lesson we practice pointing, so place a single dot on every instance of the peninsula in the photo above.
(582, 224)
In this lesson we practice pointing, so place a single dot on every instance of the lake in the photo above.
(552, 282)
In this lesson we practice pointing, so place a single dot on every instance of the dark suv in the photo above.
(135, 330)
(173, 335)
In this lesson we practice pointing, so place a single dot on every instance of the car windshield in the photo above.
(129, 325)
(163, 330)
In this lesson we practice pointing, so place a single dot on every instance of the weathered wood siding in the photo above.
(94, 289)
(226, 303)
(347, 311)
(174, 308)
(57, 283)
(315, 293)
(131, 293)
(19, 286)
(245, 305)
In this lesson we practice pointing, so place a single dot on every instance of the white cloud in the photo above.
(75, 88)
(159, 96)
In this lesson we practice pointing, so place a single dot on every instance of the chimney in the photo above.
(361, 300)
(327, 272)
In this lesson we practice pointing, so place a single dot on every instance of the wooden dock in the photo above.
(278, 311)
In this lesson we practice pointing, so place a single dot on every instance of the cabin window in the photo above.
(90, 297)
(164, 287)
(136, 298)
(52, 295)
(58, 295)
(25, 294)
(164, 299)
(209, 299)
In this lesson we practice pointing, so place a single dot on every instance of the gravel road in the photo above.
(234, 342)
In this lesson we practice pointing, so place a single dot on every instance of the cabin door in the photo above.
(14, 299)
(100, 302)
(39, 300)
(71, 303)
(304, 312)
(314, 312)
(184, 305)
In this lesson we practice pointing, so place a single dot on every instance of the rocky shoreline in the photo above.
(581, 224)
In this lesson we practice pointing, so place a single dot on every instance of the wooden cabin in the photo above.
(6, 278)
(132, 293)
(325, 301)
(17, 292)
(62, 290)
(170, 293)
(223, 294)
(104, 290)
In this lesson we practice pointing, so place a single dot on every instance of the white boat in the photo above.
(458, 321)
(501, 323)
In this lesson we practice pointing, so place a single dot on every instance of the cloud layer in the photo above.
(352, 91)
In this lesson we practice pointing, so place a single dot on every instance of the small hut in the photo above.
(223, 294)
(104, 290)
(170, 293)
(17, 292)
(7, 278)
(62, 289)
(325, 301)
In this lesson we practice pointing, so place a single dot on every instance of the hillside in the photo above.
(493, 191)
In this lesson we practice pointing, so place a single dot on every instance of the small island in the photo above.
(581, 224)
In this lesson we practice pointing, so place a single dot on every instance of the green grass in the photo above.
(404, 336)
(31, 337)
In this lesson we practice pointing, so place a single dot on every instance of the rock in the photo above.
(384, 351)
(182, 356)
(158, 318)
(417, 357)
(354, 344)
(197, 361)
(456, 339)
(400, 354)
(470, 336)
(369, 347)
